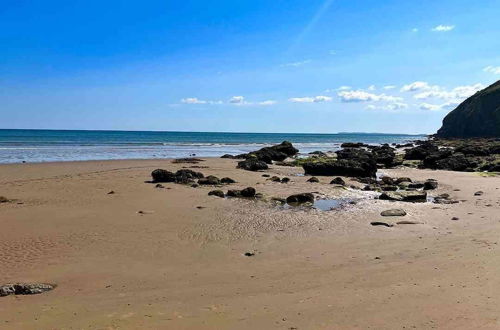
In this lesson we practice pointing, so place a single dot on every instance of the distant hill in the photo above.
(478, 116)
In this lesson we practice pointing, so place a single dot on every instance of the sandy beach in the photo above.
(173, 258)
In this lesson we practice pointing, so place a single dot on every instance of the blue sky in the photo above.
(248, 66)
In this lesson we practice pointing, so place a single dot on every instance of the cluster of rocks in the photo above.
(355, 160)
(248, 192)
(186, 176)
(278, 179)
(387, 183)
(259, 160)
(458, 155)
(24, 289)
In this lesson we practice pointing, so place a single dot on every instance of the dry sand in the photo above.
(177, 266)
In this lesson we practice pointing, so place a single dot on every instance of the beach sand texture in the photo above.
(173, 257)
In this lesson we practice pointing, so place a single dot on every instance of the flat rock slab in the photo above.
(393, 213)
(380, 223)
(24, 288)
(405, 196)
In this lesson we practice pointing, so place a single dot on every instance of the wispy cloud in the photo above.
(363, 96)
(315, 99)
(296, 64)
(417, 86)
(459, 92)
(438, 107)
(268, 102)
(388, 107)
(235, 100)
(443, 28)
(389, 87)
(414, 30)
(492, 69)
(193, 100)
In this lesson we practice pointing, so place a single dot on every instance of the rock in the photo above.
(160, 175)
(24, 288)
(430, 184)
(4, 199)
(389, 188)
(278, 200)
(275, 153)
(195, 185)
(159, 186)
(338, 180)
(228, 156)
(186, 176)
(218, 193)
(405, 196)
(313, 180)
(275, 179)
(416, 185)
(342, 167)
(444, 199)
(406, 222)
(402, 179)
(421, 151)
(300, 198)
(387, 180)
(248, 192)
(227, 180)
(393, 213)
(353, 145)
(266, 175)
(249, 254)
(253, 164)
(318, 154)
(371, 187)
(380, 223)
(477, 116)
(209, 180)
(234, 193)
(285, 180)
(478, 193)
(473, 150)
(385, 155)
(455, 219)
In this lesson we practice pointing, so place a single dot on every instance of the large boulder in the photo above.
(421, 151)
(342, 167)
(300, 198)
(456, 162)
(181, 176)
(385, 155)
(252, 164)
(160, 175)
(478, 116)
(275, 153)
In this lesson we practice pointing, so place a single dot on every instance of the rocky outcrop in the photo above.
(478, 116)
(343, 167)
(181, 176)
(275, 153)
(253, 164)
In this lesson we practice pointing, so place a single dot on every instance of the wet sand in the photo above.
(180, 264)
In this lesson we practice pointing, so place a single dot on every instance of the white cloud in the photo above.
(492, 69)
(390, 107)
(237, 100)
(362, 96)
(443, 28)
(268, 102)
(437, 107)
(417, 86)
(316, 99)
(372, 88)
(414, 30)
(296, 64)
(193, 100)
(430, 107)
(388, 87)
(460, 92)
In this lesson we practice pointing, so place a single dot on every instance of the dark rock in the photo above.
(253, 164)
(300, 198)
(430, 184)
(380, 223)
(431, 160)
(234, 193)
(353, 145)
(385, 155)
(387, 180)
(228, 156)
(405, 196)
(313, 180)
(477, 116)
(248, 192)
(112, 192)
(455, 219)
(24, 288)
(389, 188)
(421, 151)
(227, 180)
(478, 193)
(407, 222)
(160, 175)
(218, 193)
(444, 199)
(186, 176)
(209, 180)
(318, 154)
(195, 185)
(275, 153)
(473, 150)
(416, 185)
(4, 199)
(266, 175)
(159, 185)
(275, 179)
(338, 180)
(456, 162)
(285, 180)
(278, 200)
(249, 254)
(342, 167)
(402, 179)
(393, 213)
(371, 187)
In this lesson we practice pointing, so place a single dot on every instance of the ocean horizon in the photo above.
(42, 145)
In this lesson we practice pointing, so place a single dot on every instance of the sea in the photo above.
(20, 145)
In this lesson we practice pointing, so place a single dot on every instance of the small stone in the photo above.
(478, 193)
(406, 222)
(380, 223)
(227, 180)
(275, 179)
(4, 199)
(249, 254)
(300, 198)
(455, 218)
(430, 184)
(338, 180)
(393, 213)
(24, 288)
(285, 180)
(159, 186)
(248, 192)
(266, 175)
(218, 193)
(111, 192)
(313, 180)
